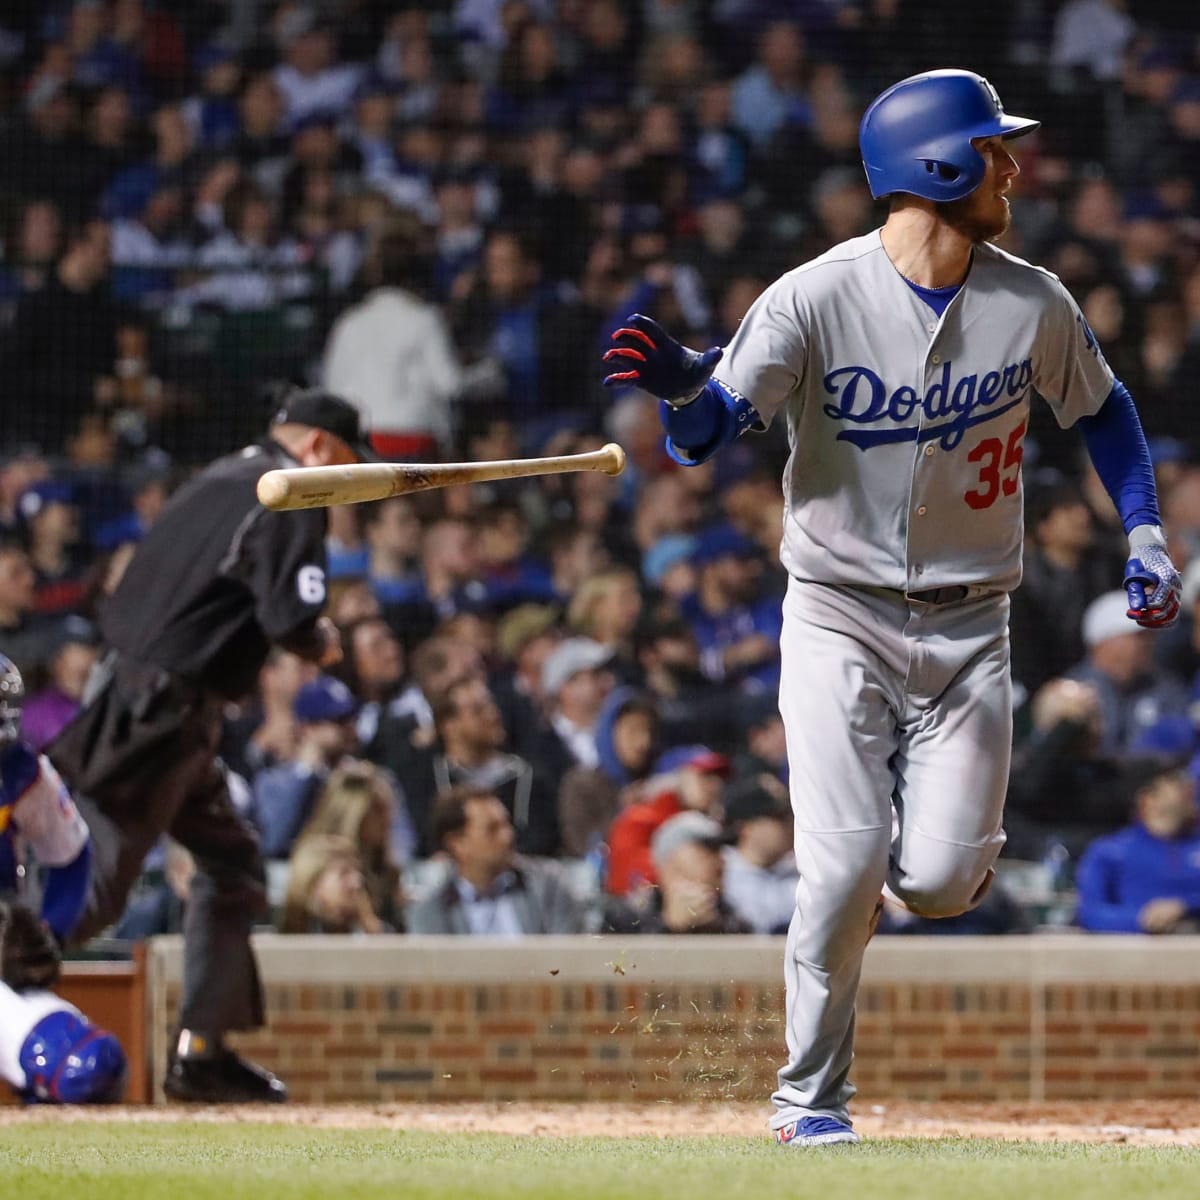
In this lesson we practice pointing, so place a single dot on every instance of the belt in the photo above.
(940, 595)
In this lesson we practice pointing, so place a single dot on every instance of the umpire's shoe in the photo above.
(223, 1078)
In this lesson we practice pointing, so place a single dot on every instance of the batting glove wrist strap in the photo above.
(1146, 535)
(657, 363)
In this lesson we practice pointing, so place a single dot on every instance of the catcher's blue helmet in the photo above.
(69, 1061)
(916, 136)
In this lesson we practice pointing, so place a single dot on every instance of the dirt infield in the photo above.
(1137, 1122)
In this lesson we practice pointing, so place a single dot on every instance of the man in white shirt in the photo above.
(391, 354)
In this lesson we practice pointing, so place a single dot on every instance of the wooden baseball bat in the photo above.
(318, 487)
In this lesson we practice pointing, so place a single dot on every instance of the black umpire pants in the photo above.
(141, 761)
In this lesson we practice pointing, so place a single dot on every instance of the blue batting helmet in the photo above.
(68, 1061)
(916, 136)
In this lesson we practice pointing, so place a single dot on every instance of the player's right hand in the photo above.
(1153, 586)
(657, 363)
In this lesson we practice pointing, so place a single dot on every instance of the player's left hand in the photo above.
(1153, 586)
(657, 363)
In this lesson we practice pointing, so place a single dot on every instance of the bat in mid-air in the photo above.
(318, 487)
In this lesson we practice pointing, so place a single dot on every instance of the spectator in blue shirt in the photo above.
(736, 628)
(1146, 878)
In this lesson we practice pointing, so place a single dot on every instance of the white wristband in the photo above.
(1147, 535)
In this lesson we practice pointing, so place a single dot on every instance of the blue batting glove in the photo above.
(658, 363)
(1153, 586)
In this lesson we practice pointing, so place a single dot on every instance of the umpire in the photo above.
(216, 581)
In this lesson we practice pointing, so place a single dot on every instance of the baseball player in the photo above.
(49, 1051)
(904, 362)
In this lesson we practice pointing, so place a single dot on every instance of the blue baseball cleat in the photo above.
(816, 1131)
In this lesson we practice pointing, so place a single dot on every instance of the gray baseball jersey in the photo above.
(906, 431)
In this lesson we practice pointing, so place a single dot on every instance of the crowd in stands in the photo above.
(556, 708)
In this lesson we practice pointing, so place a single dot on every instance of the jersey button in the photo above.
(928, 451)
(921, 511)
(931, 326)
(937, 358)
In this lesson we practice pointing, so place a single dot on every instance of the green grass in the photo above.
(232, 1162)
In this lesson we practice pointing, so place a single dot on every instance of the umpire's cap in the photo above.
(323, 410)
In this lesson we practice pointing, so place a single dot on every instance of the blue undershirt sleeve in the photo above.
(1118, 450)
(717, 416)
(65, 893)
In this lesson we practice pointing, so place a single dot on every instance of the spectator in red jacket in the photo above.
(690, 780)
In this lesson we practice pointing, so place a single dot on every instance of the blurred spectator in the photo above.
(760, 875)
(62, 338)
(589, 798)
(690, 705)
(20, 468)
(309, 78)
(373, 668)
(1146, 878)
(736, 628)
(284, 794)
(542, 340)
(667, 566)
(248, 265)
(147, 486)
(510, 573)
(24, 637)
(687, 779)
(393, 355)
(1119, 666)
(211, 113)
(575, 681)
(688, 897)
(263, 731)
(159, 908)
(1062, 576)
(606, 608)
(51, 524)
(48, 710)
(762, 736)
(1059, 762)
(491, 891)
(261, 109)
(525, 638)
(1145, 246)
(770, 93)
(359, 803)
(1093, 35)
(471, 750)
(393, 541)
(35, 245)
(149, 244)
(326, 892)
(40, 142)
(448, 581)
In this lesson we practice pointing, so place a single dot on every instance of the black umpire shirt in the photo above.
(218, 578)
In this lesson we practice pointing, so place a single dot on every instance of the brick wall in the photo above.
(701, 1018)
